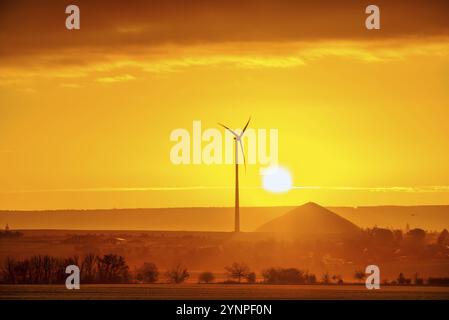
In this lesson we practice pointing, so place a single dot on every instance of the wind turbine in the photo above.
(237, 142)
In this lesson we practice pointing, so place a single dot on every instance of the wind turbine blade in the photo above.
(243, 152)
(246, 126)
(235, 134)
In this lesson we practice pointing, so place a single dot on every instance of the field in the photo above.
(220, 291)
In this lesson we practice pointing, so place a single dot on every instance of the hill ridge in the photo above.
(310, 218)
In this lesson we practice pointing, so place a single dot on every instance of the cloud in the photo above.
(380, 189)
(29, 28)
(114, 68)
(120, 189)
(114, 79)
(173, 36)
(236, 61)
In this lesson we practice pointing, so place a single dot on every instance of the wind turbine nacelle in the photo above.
(214, 146)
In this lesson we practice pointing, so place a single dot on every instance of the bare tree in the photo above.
(46, 269)
(36, 270)
(9, 270)
(443, 238)
(89, 268)
(326, 278)
(310, 278)
(206, 277)
(417, 235)
(417, 280)
(359, 275)
(148, 273)
(251, 277)
(112, 269)
(403, 280)
(177, 274)
(337, 278)
(285, 276)
(238, 270)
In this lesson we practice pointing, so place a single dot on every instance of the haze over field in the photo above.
(217, 219)
(309, 237)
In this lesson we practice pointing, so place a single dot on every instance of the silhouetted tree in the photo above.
(112, 269)
(310, 278)
(417, 235)
(237, 271)
(326, 278)
(206, 277)
(251, 277)
(148, 273)
(443, 238)
(383, 236)
(403, 280)
(285, 276)
(418, 280)
(9, 270)
(89, 271)
(359, 275)
(46, 269)
(40, 269)
(438, 281)
(337, 278)
(177, 274)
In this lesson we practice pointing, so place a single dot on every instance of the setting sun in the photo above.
(277, 180)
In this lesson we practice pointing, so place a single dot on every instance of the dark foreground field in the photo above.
(220, 291)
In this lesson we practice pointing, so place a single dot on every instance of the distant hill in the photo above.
(310, 218)
(176, 219)
(432, 217)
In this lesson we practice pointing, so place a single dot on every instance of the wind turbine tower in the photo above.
(237, 142)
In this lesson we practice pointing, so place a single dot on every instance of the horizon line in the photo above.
(416, 189)
(226, 207)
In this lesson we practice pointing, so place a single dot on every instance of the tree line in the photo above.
(112, 268)
(46, 269)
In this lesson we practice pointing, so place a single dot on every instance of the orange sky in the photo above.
(85, 116)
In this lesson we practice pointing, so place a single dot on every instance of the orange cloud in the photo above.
(29, 27)
(119, 78)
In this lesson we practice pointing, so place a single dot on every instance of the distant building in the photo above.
(7, 233)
